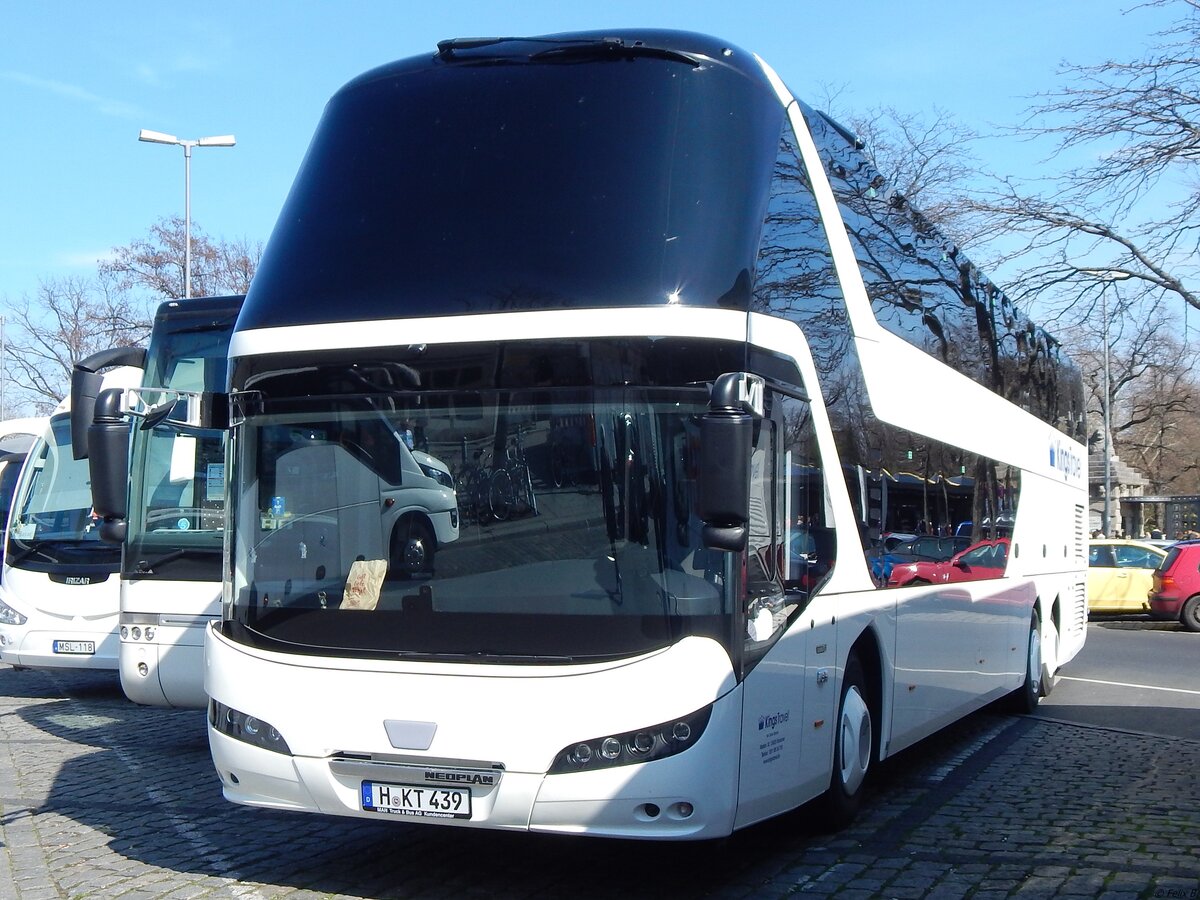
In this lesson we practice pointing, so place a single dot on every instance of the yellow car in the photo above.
(1119, 575)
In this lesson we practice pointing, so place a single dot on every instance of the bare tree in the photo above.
(69, 319)
(1133, 206)
(1152, 395)
(155, 263)
(926, 159)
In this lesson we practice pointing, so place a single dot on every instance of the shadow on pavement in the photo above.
(143, 778)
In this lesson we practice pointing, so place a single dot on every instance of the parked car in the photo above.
(926, 548)
(1175, 585)
(1119, 573)
(893, 539)
(986, 559)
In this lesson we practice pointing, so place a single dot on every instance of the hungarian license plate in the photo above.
(85, 648)
(414, 800)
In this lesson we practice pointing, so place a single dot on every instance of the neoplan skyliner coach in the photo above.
(638, 253)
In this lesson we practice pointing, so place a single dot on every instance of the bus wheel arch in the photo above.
(1050, 647)
(413, 546)
(857, 732)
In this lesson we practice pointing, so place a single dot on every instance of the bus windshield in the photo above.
(177, 508)
(576, 535)
(52, 517)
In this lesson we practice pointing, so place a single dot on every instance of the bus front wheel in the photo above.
(412, 548)
(853, 750)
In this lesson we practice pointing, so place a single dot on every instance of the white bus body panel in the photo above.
(58, 612)
(179, 612)
(511, 716)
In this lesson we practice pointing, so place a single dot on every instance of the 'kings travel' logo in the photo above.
(1065, 460)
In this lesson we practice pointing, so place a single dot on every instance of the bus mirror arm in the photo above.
(180, 409)
(108, 465)
(86, 382)
(723, 479)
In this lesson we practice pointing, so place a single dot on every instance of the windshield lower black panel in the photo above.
(486, 526)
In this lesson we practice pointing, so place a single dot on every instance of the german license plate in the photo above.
(414, 800)
(85, 648)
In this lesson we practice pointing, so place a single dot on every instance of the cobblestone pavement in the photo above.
(103, 799)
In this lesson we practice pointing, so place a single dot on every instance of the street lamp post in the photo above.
(1107, 277)
(157, 137)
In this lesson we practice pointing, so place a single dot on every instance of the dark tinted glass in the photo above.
(898, 481)
(925, 290)
(453, 188)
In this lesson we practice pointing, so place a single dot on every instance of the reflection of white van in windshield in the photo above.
(355, 465)
(59, 586)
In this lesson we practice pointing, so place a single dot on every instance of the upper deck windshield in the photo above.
(522, 179)
(52, 522)
(575, 540)
(177, 509)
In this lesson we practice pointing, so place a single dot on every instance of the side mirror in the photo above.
(86, 383)
(179, 409)
(108, 463)
(726, 440)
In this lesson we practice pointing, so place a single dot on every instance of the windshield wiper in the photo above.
(28, 550)
(587, 50)
(147, 567)
(493, 656)
(611, 48)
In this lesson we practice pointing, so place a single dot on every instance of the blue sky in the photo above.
(79, 79)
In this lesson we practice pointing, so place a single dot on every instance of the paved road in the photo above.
(1133, 674)
(102, 799)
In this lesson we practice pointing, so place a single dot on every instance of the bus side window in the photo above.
(764, 596)
(808, 544)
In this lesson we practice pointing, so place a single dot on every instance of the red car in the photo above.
(1175, 585)
(987, 559)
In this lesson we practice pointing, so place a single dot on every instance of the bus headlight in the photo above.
(9, 616)
(642, 745)
(441, 477)
(241, 727)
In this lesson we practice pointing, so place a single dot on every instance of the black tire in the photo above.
(1189, 616)
(853, 748)
(1025, 699)
(413, 547)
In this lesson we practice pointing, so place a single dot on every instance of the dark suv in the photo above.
(1175, 586)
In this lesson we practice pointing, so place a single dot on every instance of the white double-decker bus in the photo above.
(630, 273)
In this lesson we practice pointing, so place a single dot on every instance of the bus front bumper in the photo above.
(689, 796)
(60, 648)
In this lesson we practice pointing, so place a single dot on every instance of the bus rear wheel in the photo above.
(1025, 699)
(853, 749)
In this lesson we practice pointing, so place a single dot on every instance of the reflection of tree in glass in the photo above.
(924, 289)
